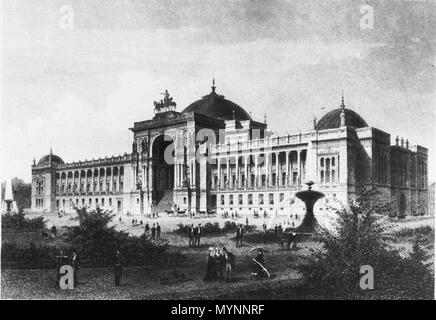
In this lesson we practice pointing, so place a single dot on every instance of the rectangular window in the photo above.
(282, 197)
(260, 198)
(231, 199)
(222, 200)
(240, 200)
(271, 198)
(250, 199)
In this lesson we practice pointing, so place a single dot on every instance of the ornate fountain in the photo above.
(309, 197)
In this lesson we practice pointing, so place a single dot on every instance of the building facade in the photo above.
(213, 156)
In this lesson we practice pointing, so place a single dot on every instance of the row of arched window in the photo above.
(102, 172)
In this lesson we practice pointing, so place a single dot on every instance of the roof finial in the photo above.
(233, 115)
(342, 101)
(213, 84)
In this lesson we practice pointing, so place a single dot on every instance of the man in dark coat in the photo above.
(75, 263)
(229, 261)
(198, 235)
(153, 232)
(118, 268)
(191, 233)
(239, 234)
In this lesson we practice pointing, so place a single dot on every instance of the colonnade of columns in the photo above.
(102, 179)
(269, 170)
(183, 171)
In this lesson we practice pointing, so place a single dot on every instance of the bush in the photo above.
(360, 238)
(419, 231)
(17, 222)
(210, 228)
(97, 243)
(14, 256)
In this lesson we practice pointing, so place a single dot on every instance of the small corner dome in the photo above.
(332, 120)
(54, 159)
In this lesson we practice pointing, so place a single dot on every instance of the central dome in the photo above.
(215, 106)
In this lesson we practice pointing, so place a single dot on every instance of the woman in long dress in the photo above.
(211, 274)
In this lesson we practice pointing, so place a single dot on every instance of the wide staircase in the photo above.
(165, 202)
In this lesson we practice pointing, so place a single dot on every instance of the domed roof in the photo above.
(214, 105)
(54, 159)
(332, 119)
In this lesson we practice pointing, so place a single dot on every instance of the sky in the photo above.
(79, 87)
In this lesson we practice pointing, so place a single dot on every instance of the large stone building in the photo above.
(214, 156)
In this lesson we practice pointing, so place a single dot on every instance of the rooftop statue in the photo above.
(165, 104)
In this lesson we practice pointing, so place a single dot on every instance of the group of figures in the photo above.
(195, 234)
(154, 232)
(220, 264)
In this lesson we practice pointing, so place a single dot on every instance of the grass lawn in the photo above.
(144, 282)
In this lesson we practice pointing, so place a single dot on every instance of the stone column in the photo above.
(268, 159)
(277, 170)
(256, 171)
(299, 167)
(228, 172)
(287, 169)
(246, 172)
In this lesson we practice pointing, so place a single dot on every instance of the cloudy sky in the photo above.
(82, 88)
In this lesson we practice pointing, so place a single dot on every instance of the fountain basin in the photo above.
(309, 197)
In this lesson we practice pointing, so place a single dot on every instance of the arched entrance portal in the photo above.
(163, 170)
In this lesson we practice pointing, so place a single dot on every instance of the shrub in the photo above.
(210, 228)
(17, 222)
(96, 242)
(360, 238)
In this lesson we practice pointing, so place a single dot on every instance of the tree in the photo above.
(96, 241)
(361, 238)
